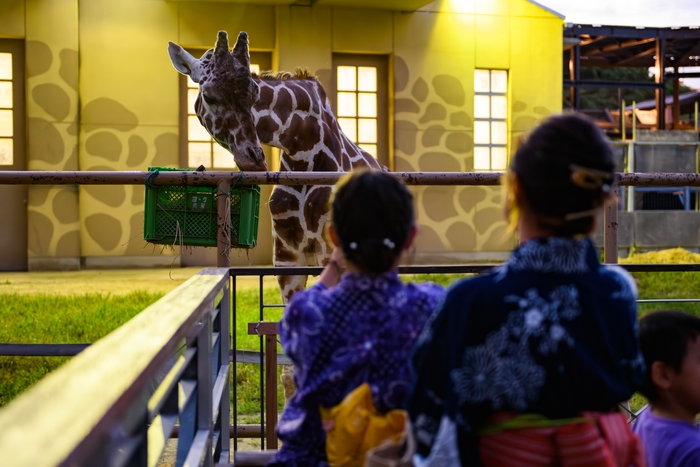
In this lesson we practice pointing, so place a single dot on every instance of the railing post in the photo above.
(630, 169)
(271, 393)
(225, 407)
(205, 382)
(610, 235)
(223, 236)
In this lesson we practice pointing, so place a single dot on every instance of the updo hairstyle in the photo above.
(565, 169)
(372, 213)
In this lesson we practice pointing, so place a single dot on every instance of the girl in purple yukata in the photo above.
(359, 322)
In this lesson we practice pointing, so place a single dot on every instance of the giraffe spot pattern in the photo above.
(400, 74)
(136, 244)
(138, 194)
(434, 203)
(68, 245)
(104, 229)
(290, 229)
(406, 136)
(39, 236)
(69, 67)
(316, 205)
(420, 90)
(470, 196)
(461, 236)
(432, 135)
(428, 239)
(281, 201)
(47, 143)
(105, 145)
(450, 89)
(461, 119)
(459, 142)
(438, 162)
(52, 99)
(112, 196)
(41, 58)
(138, 151)
(283, 105)
(64, 206)
(406, 105)
(38, 195)
(72, 160)
(266, 127)
(486, 217)
(433, 112)
(120, 118)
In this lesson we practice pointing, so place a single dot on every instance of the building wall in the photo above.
(103, 95)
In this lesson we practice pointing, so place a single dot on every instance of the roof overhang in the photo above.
(397, 5)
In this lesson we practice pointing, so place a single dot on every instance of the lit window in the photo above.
(6, 110)
(357, 105)
(490, 120)
(201, 147)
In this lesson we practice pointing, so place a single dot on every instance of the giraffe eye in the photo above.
(208, 99)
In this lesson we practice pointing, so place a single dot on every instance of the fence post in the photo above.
(223, 235)
(610, 235)
(205, 383)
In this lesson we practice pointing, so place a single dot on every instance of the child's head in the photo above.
(373, 220)
(562, 174)
(670, 343)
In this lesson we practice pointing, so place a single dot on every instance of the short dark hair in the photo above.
(664, 336)
(372, 213)
(566, 168)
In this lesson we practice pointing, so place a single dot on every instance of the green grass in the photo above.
(55, 319)
(87, 318)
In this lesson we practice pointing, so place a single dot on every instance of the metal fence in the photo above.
(115, 417)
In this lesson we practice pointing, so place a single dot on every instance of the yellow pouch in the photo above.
(353, 427)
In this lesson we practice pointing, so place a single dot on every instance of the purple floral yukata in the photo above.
(362, 330)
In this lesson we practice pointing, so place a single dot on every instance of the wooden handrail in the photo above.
(75, 410)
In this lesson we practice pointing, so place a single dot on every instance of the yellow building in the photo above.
(88, 85)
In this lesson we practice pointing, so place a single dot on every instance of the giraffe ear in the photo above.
(240, 50)
(183, 61)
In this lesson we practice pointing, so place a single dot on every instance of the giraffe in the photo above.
(287, 111)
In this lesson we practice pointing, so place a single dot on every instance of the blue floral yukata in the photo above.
(362, 330)
(551, 332)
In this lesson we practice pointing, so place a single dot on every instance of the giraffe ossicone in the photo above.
(289, 111)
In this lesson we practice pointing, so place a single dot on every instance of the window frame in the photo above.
(19, 155)
(381, 63)
(490, 94)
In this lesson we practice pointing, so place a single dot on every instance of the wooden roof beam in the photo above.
(644, 53)
(618, 46)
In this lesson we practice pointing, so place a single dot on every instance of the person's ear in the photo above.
(661, 375)
(333, 235)
(411, 238)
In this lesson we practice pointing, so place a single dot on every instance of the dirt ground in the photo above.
(114, 282)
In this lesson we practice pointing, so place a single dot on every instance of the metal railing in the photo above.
(99, 405)
(119, 400)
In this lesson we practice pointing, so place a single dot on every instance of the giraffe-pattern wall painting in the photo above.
(53, 221)
(111, 216)
(448, 216)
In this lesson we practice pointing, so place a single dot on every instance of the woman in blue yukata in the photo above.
(525, 366)
(359, 322)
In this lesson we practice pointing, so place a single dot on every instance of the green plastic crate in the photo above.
(194, 210)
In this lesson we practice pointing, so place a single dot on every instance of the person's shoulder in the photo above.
(470, 286)
(618, 278)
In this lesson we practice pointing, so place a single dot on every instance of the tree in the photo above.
(607, 98)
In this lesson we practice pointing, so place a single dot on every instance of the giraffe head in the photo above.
(227, 93)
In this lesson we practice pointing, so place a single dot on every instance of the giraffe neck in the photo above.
(295, 116)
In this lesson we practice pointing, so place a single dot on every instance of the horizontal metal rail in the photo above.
(302, 178)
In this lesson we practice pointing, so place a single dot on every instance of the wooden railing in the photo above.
(117, 402)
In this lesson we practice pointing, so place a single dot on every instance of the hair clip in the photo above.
(581, 214)
(389, 244)
(353, 246)
(590, 179)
